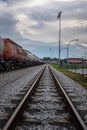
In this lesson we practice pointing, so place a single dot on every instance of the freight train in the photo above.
(13, 56)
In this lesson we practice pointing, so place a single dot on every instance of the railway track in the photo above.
(46, 106)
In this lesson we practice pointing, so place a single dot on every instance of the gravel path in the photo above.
(11, 83)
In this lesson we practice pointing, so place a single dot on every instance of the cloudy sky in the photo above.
(34, 25)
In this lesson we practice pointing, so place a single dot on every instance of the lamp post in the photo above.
(68, 49)
(59, 17)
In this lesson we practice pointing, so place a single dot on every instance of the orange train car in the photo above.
(11, 54)
(13, 51)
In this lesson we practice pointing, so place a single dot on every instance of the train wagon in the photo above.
(11, 54)
(31, 59)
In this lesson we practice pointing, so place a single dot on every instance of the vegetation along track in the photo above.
(46, 108)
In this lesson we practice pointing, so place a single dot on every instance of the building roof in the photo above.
(75, 60)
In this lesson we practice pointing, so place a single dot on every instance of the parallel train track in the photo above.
(46, 106)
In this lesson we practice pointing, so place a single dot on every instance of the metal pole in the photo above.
(59, 17)
(59, 38)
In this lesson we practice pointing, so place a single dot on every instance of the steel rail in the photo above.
(11, 123)
(80, 125)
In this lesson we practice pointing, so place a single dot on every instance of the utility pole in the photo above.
(59, 17)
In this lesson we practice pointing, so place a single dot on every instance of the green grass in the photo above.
(77, 77)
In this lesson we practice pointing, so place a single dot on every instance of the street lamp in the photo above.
(59, 17)
(68, 48)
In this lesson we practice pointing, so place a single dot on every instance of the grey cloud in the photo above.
(39, 26)
(7, 26)
(69, 34)
(77, 10)
(70, 10)
(3, 0)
